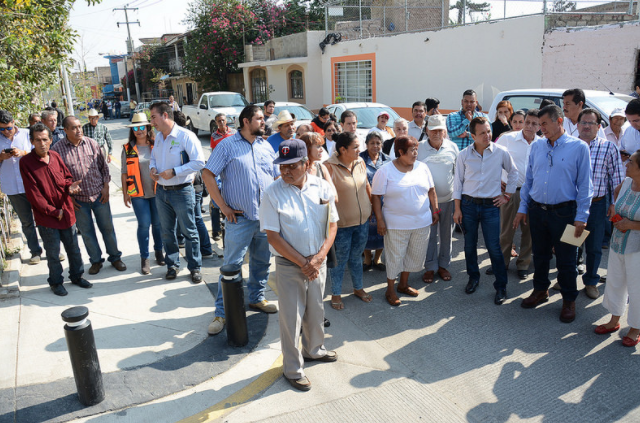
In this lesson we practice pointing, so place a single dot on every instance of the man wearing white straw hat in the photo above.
(99, 133)
(285, 125)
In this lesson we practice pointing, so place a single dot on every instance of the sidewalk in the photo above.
(441, 357)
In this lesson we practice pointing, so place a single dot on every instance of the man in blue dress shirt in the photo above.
(557, 192)
(244, 162)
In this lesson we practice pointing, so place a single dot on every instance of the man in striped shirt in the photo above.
(244, 162)
(607, 173)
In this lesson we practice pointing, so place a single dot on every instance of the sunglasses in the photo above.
(6, 129)
(139, 128)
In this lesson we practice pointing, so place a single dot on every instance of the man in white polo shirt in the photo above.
(440, 155)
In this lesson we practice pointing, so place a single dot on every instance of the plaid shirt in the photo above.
(457, 124)
(607, 171)
(99, 134)
(56, 136)
(86, 162)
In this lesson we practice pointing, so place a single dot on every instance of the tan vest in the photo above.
(354, 205)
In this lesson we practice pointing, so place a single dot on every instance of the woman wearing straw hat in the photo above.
(139, 190)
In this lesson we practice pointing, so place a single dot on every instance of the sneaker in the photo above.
(171, 273)
(62, 257)
(145, 266)
(592, 291)
(216, 326)
(196, 276)
(35, 259)
(59, 290)
(264, 306)
(82, 283)
(160, 258)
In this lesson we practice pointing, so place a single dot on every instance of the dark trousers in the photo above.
(593, 244)
(22, 207)
(547, 227)
(51, 240)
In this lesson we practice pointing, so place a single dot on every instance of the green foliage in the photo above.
(221, 28)
(34, 40)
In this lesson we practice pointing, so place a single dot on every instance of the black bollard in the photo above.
(83, 354)
(233, 298)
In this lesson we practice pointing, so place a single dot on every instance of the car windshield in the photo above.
(368, 116)
(300, 112)
(227, 100)
(610, 102)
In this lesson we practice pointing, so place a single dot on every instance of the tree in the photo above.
(470, 7)
(563, 6)
(34, 41)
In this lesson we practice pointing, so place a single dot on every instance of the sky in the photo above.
(98, 32)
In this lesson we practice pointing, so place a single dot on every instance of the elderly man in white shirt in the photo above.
(299, 216)
(518, 145)
(440, 155)
(478, 197)
(617, 126)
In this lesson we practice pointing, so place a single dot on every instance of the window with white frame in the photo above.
(296, 84)
(353, 81)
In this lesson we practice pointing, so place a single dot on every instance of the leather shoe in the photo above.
(535, 299)
(59, 290)
(523, 274)
(501, 295)
(171, 273)
(196, 276)
(95, 268)
(264, 306)
(82, 283)
(145, 266)
(472, 286)
(592, 291)
(216, 326)
(160, 258)
(603, 330)
(119, 265)
(568, 313)
(489, 271)
(329, 357)
(302, 384)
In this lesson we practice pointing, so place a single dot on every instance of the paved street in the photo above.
(444, 356)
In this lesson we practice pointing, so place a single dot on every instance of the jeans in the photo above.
(474, 215)
(84, 221)
(349, 243)
(547, 227)
(21, 205)
(440, 256)
(593, 243)
(240, 237)
(117, 113)
(51, 240)
(147, 214)
(205, 241)
(175, 208)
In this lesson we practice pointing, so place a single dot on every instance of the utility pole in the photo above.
(130, 46)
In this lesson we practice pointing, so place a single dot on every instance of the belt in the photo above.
(518, 189)
(552, 206)
(596, 199)
(479, 201)
(175, 187)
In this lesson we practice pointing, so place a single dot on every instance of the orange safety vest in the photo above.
(134, 181)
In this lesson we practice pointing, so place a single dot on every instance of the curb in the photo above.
(10, 282)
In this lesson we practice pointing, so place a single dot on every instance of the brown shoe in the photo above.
(95, 268)
(119, 265)
(535, 299)
(568, 313)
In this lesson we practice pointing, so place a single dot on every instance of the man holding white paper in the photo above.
(557, 192)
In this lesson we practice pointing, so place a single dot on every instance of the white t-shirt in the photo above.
(384, 134)
(406, 195)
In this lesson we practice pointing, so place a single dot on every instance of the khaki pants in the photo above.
(300, 303)
(507, 233)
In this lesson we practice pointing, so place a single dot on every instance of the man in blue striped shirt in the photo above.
(556, 192)
(244, 162)
(458, 122)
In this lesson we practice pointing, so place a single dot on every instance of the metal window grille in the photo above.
(297, 87)
(259, 86)
(353, 82)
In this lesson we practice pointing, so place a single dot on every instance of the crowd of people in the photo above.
(323, 199)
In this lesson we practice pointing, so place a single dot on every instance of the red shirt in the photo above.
(47, 188)
(217, 136)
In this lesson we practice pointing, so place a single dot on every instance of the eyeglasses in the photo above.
(588, 123)
(139, 128)
(10, 128)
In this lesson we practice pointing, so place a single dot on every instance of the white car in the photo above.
(367, 114)
(603, 101)
(301, 113)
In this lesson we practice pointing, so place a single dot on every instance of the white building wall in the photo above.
(487, 57)
(595, 58)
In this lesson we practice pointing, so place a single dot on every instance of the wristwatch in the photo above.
(173, 171)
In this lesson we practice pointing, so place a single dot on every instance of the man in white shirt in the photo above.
(518, 145)
(416, 127)
(478, 197)
(630, 141)
(440, 155)
(617, 126)
(573, 101)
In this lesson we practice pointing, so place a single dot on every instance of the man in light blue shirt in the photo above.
(244, 162)
(557, 192)
(176, 156)
(14, 143)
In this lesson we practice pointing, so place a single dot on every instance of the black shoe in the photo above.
(59, 290)
(366, 267)
(196, 276)
(327, 323)
(472, 286)
(160, 258)
(82, 283)
(603, 279)
(216, 236)
(489, 271)
(501, 295)
(171, 273)
(523, 274)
